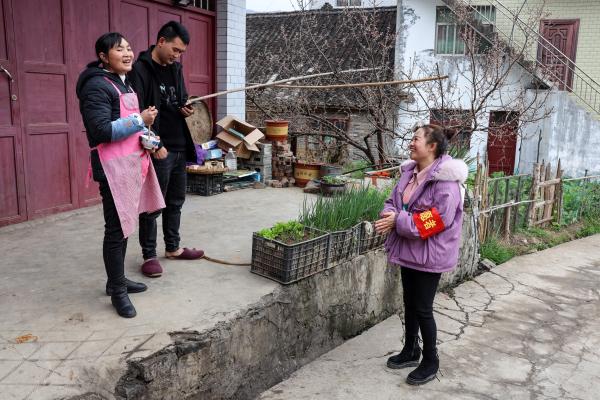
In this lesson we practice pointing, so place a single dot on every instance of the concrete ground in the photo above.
(52, 288)
(529, 329)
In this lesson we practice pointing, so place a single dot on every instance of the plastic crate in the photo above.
(344, 245)
(369, 239)
(205, 184)
(287, 263)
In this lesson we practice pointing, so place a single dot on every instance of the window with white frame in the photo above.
(348, 3)
(204, 4)
(448, 33)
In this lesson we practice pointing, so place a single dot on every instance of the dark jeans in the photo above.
(114, 245)
(172, 179)
(419, 291)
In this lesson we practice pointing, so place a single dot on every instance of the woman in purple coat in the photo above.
(424, 219)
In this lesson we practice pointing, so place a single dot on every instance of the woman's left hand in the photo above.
(387, 223)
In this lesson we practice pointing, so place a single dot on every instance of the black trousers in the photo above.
(172, 179)
(114, 245)
(419, 291)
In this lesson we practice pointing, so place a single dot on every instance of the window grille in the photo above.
(448, 32)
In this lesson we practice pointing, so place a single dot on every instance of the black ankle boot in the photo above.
(426, 371)
(408, 357)
(120, 300)
(132, 287)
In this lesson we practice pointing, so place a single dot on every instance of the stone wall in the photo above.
(285, 330)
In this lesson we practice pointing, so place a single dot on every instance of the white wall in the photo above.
(316, 4)
(419, 44)
(570, 134)
(231, 56)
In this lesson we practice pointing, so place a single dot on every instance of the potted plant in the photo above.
(289, 251)
(332, 184)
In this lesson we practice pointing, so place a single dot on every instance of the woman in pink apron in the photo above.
(118, 162)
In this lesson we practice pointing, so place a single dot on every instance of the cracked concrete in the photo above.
(529, 329)
(203, 330)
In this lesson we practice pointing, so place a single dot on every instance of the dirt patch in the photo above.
(536, 239)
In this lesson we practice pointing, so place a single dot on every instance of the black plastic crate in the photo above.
(287, 263)
(205, 184)
(369, 238)
(344, 245)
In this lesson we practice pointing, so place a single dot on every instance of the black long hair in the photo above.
(436, 134)
(106, 42)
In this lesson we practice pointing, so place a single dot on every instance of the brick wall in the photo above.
(231, 56)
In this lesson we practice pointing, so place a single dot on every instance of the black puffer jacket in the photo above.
(146, 83)
(99, 106)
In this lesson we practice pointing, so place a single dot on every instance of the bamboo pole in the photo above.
(559, 193)
(581, 178)
(365, 84)
(533, 195)
(507, 223)
(280, 83)
(549, 193)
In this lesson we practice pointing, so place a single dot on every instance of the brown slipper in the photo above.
(188, 254)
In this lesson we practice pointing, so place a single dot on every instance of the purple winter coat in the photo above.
(441, 189)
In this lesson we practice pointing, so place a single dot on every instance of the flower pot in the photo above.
(277, 130)
(331, 189)
(287, 263)
(305, 172)
(330, 170)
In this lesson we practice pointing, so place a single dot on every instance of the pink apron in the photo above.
(129, 171)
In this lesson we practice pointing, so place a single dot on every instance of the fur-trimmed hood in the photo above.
(444, 168)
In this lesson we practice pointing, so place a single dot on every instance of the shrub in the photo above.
(498, 252)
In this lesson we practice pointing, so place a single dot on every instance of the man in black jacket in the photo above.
(158, 80)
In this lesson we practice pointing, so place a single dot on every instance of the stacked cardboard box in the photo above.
(239, 136)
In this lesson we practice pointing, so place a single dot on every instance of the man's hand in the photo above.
(187, 110)
(386, 223)
(148, 115)
(160, 154)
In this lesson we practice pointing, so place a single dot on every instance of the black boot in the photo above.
(132, 287)
(408, 357)
(120, 300)
(427, 369)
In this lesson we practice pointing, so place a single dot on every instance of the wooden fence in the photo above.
(508, 203)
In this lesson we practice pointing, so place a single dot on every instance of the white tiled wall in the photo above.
(231, 56)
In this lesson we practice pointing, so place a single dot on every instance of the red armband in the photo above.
(428, 223)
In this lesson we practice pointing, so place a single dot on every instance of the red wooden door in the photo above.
(45, 117)
(13, 207)
(88, 19)
(562, 34)
(502, 142)
(140, 21)
(44, 152)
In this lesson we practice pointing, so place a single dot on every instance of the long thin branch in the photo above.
(275, 83)
(365, 84)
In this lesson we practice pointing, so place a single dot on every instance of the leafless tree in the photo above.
(305, 47)
(495, 74)
(492, 69)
